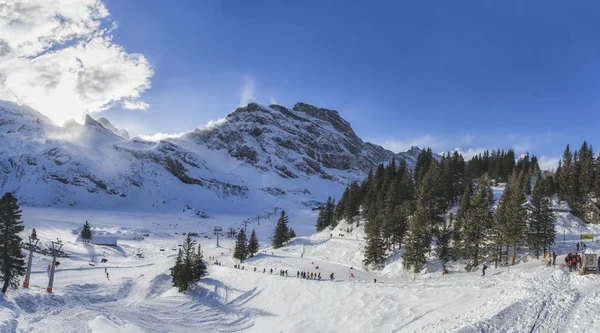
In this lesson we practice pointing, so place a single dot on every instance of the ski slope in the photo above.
(138, 296)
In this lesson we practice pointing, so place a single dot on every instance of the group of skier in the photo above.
(308, 275)
(573, 261)
(284, 273)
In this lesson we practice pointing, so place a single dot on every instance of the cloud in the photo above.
(161, 136)
(469, 152)
(548, 163)
(272, 100)
(212, 124)
(426, 141)
(247, 93)
(56, 56)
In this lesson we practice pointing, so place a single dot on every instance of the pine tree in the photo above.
(321, 223)
(586, 170)
(443, 250)
(199, 265)
(374, 250)
(457, 226)
(33, 234)
(475, 224)
(240, 251)
(514, 226)
(281, 234)
(540, 220)
(418, 241)
(177, 270)
(12, 265)
(291, 233)
(565, 177)
(252, 244)
(189, 267)
(86, 233)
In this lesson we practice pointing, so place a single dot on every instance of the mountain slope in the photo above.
(257, 158)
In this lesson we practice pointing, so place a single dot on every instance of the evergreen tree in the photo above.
(33, 234)
(252, 244)
(443, 250)
(427, 217)
(86, 233)
(281, 234)
(189, 267)
(541, 220)
(12, 265)
(512, 214)
(240, 251)
(586, 170)
(565, 177)
(177, 270)
(418, 241)
(457, 224)
(475, 223)
(199, 265)
(321, 222)
(375, 249)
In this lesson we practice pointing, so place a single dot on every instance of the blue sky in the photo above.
(447, 74)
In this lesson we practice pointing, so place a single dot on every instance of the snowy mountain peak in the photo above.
(260, 157)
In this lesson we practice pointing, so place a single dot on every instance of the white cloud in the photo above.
(214, 123)
(272, 100)
(247, 93)
(548, 163)
(134, 105)
(160, 136)
(426, 141)
(56, 57)
(470, 152)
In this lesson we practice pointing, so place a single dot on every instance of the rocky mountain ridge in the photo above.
(259, 156)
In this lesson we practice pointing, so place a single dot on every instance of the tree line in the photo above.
(408, 209)
(577, 178)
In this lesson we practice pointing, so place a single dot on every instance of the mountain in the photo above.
(256, 158)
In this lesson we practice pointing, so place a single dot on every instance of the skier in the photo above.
(264, 270)
(549, 262)
(483, 270)
(577, 246)
(598, 266)
(319, 276)
(297, 274)
(331, 277)
(553, 259)
(107, 276)
(271, 271)
(254, 269)
(375, 280)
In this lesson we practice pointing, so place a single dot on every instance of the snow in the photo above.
(528, 297)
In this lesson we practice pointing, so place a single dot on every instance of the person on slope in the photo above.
(331, 277)
(297, 274)
(577, 246)
(568, 261)
(598, 266)
(483, 270)
(553, 259)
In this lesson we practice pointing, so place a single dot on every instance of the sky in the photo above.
(451, 75)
